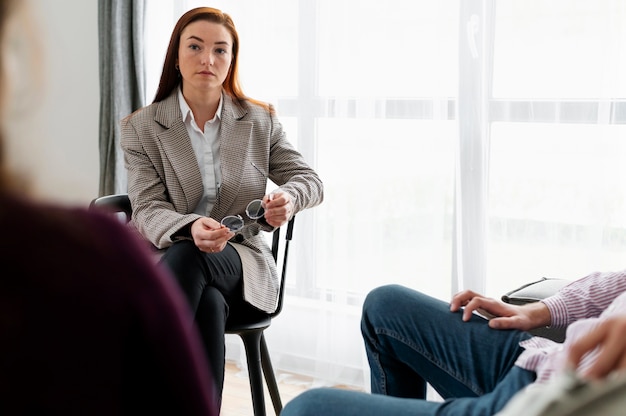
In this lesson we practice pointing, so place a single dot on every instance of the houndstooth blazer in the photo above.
(165, 184)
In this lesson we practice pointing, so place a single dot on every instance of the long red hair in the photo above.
(170, 77)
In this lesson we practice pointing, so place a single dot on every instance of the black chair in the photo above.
(118, 203)
(250, 331)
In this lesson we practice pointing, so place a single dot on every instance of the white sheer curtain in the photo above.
(462, 143)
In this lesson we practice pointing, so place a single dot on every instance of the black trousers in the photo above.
(212, 283)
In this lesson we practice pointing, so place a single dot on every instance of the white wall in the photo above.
(58, 138)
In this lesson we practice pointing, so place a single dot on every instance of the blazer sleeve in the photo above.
(289, 170)
(160, 213)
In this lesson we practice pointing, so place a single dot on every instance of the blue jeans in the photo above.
(412, 340)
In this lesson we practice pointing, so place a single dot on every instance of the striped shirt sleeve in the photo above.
(586, 297)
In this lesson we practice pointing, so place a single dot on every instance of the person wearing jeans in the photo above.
(476, 364)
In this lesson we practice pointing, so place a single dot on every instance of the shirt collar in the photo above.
(186, 110)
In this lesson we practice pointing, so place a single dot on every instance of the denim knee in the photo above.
(376, 307)
(378, 300)
(306, 403)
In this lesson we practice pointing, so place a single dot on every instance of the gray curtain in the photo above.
(122, 82)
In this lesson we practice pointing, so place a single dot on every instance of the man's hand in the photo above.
(610, 339)
(503, 315)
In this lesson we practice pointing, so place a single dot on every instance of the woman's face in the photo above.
(204, 55)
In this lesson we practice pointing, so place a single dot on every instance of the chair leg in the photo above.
(252, 344)
(270, 377)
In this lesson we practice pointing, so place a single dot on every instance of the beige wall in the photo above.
(58, 134)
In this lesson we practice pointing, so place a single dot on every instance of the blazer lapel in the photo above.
(178, 151)
(235, 136)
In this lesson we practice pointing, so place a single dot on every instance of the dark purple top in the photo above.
(89, 324)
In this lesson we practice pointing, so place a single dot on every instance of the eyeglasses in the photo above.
(254, 211)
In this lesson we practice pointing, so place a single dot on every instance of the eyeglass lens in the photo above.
(233, 222)
(254, 211)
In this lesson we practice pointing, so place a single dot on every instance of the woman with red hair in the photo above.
(200, 153)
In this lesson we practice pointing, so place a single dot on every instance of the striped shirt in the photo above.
(580, 306)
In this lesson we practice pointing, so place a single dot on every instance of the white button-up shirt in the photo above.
(206, 146)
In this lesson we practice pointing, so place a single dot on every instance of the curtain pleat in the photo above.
(122, 82)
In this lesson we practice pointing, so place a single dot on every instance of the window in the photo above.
(558, 140)
(475, 144)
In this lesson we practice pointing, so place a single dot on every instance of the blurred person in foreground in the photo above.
(88, 324)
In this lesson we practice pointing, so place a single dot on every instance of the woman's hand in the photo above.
(610, 339)
(502, 315)
(209, 235)
(278, 208)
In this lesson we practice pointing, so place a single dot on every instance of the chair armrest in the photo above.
(534, 291)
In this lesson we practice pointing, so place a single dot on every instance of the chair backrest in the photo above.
(120, 204)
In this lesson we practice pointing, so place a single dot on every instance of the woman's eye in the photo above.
(220, 51)
(194, 47)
